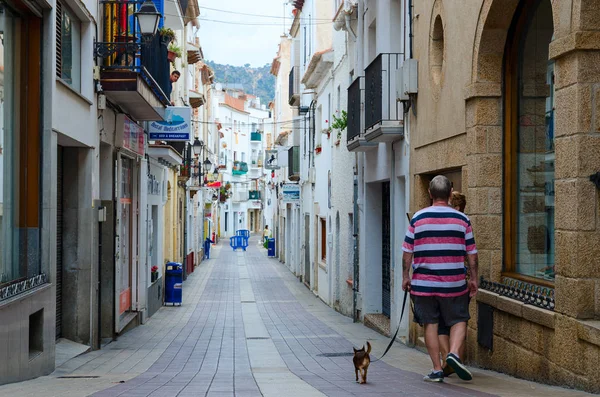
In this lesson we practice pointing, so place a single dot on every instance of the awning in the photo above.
(215, 185)
(197, 99)
(194, 53)
(192, 13)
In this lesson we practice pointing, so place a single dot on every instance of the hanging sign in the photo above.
(176, 127)
(290, 193)
(271, 160)
(130, 135)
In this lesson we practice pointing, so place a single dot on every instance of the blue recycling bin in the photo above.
(271, 247)
(173, 283)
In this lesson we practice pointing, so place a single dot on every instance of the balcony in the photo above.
(383, 114)
(254, 195)
(134, 75)
(255, 137)
(239, 195)
(240, 168)
(256, 162)
(355, 132)
(294, 81)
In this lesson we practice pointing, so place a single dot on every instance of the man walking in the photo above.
(436, 243)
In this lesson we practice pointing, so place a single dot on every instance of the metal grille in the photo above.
(58, 39)
(59, 230)
(354, 102)
(380, 92)
(385, 248)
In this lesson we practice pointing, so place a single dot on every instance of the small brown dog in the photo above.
(361, 362)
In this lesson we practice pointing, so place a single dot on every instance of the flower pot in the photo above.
(337, 143)
(166, 40)
(328, 135)
(317, 150)
(171, 56)
(153, 276)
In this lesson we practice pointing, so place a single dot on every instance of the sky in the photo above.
(236, 43)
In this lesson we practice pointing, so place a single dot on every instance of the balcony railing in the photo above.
(254, 195)
(240, 168)
(255, 136)
(380, 90)
(354, 109)
(122, 48)
(294, 86)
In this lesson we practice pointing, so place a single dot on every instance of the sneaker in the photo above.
(434, 376)
(454, 362)
(448, 371)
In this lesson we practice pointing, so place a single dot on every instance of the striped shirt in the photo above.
(439, 237)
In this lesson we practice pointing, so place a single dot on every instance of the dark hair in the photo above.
(440, 188)
(176, 72)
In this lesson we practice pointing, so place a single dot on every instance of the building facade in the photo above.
(506, 110)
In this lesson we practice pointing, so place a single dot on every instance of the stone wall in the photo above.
(557, 346)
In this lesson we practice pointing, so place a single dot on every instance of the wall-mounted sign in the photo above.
(290, 193)
(271, 160)
(130, 135)
(176, 127)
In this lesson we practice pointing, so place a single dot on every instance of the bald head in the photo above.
(440, 188)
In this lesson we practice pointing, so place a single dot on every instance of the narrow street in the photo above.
(247, 327)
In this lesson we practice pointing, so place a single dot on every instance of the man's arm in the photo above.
(407, 258)
(473, 263)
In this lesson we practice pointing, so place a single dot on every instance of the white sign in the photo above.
(271, 160)
(290, 193)
(176, 127)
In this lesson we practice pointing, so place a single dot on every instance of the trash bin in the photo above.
(173, 283)
(271, 247)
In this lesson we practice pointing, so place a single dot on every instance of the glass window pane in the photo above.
(71, 49)
(535, 151)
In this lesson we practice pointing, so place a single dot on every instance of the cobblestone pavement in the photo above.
(249, 328)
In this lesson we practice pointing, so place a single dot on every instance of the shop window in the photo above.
(529, 158)
(68, 46)
(20, 146)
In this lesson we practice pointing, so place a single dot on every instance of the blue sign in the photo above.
(176, 127)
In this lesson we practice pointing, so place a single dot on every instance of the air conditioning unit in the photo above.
(409, 78)
(312, 175)
(406, 80)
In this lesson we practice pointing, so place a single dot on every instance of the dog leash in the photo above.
(397, 329)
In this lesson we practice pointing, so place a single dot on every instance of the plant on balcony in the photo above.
(318, 149)
(174, 52)
(340, 123)
(167, 35)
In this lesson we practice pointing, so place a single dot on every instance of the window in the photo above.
(20, 146)
(323, 227)
(529, 144)
(68, 46)
(243, 157)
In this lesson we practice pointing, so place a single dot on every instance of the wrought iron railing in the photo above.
(354, 109)
(380, 90)
(523, 291)
(255, 136)
(240, 168)
(122, 47)
(254, 195)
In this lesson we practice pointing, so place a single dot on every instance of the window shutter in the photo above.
(58, 38)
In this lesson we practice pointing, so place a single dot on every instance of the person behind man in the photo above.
(173, 78)
(458, 201)
(436, 243)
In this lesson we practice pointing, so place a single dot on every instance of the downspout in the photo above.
(357, 164)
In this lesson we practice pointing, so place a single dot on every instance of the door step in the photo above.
(378, 322)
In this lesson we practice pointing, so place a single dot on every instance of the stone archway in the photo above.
(484, 126)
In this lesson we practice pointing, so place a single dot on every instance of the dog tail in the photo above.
(368, 348)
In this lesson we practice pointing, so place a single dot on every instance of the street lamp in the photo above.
(198, 146)
(148, 18)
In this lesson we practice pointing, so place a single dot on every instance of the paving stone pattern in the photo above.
(302, 340)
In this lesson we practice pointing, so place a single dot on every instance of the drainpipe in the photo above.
(348, 26)
(357, 165)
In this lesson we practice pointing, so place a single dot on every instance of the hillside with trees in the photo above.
(256, 81)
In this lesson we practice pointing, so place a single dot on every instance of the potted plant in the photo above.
(167, 35)
(340, 123)
(154, 274)
(174, 51)
(318, 148)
